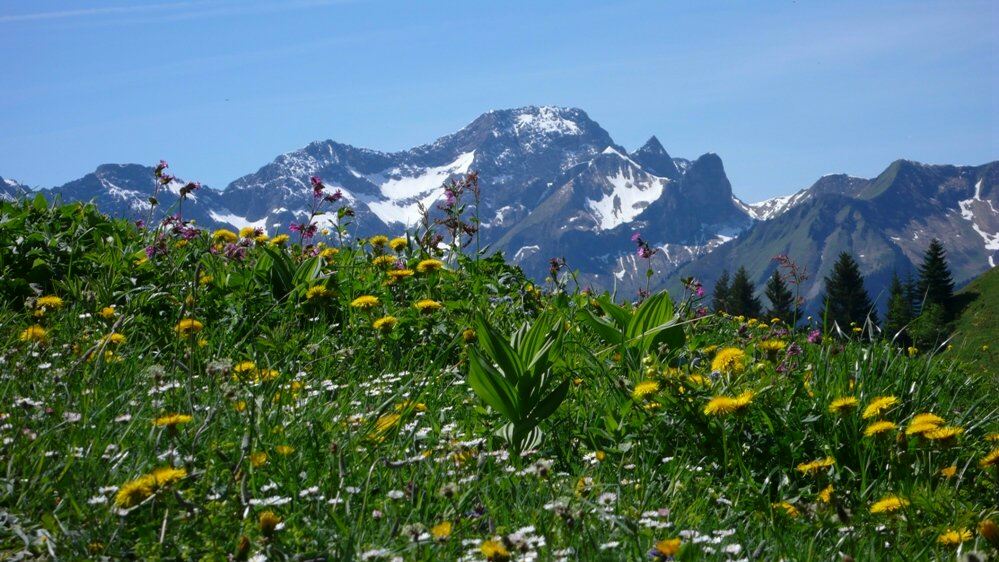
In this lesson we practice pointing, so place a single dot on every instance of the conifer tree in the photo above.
(719, 297)
(742, 298)
(781, 298)
(846, 300)
(936, 285)
(900, 312)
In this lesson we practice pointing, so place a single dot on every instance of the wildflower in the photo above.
(279, 240)
(397, 274)
(49, 301)
(268, 522)
(441, 531)
(816, 465)
(948, 472)
(385, 323)
(992, 437)
(385, 423)
(383, 261)
(825, 496)
(724, 405)
(168, 475)
(188, 326)
(786, 507)
(34, 334)
(666, 548)
(953, 537)
(990, 530)
(990, 459)
(378, 241)
(398, 244)
(172, 420)
(815, 336)
(258, 459)
(365, 302)
(494, 551)
(921, 423)
(843, 405)
(729, 360)
(889, 504)
(115, 338)
(329, 253)
(317, 292)
(468, 335)
(107, 313)
(134, 492)
(223, 235)
(284, 450)
(879, 405)
(878, 427)
(945, 433)
(644, 388)
(771, 346)
(429, 265)
(427, 305)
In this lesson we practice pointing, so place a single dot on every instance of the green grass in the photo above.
(361, 441)
(976, 328)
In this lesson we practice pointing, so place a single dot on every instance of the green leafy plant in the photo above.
(633, 334)
(516, 376)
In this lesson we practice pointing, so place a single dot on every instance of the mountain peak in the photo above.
(654, 158)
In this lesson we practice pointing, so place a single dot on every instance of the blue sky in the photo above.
(783, 91)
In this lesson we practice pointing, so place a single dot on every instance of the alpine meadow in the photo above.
(513, 281)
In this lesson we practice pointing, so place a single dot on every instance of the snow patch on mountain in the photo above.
(546, 120)
(405, 189)
(237, 221)
(774, 207)
(968, 207)
(628, 197)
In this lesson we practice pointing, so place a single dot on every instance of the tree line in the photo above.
(919, 312)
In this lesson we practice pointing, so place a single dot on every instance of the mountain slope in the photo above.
(975, 328)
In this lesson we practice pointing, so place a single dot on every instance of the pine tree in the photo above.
(742, 298)
(846, 300)
(720, 295)
(936, 285)
(781, 298)
(900, 312)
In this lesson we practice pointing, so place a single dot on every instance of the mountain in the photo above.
(885, 222)
(11, 189)
(553, 183)
(975, 328)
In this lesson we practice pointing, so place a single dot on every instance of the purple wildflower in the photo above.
(815, 336)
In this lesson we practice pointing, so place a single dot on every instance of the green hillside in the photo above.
(976, 329)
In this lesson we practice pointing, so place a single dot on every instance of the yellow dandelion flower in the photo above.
(115, 338)
(268, 522)
(168, 475)
(385, 323)
(379, 240)
(261, 238)
(921, 423)
(383, 261)
(953, 537)
(724, 405)
(771, 346)
(949, 471)
(879, 405)
(494, 551)
(825, 496)
(992, 437)
(441, 531)
(33, 334)
(729, 360)
(49, 301)
(384, 424)
(786, 508)
(248, 232)
(279, 240)
(224, 235)
(284, 450)
(816, 466)
(397, 274)
(990, 459)
(134, 492)
(188, 326)
(429, 265)
(398, 244)
(878, 427)
(317, 292)
(644, 389)
(172, 420)
(205, 279)
(945, 433)
(329, 253)
(365, 302)
(427, 305)
(668, 547)
(107, 312)
(468, 335)
(242, 368)
(698, 380)
(889, 504)
(258, 459)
